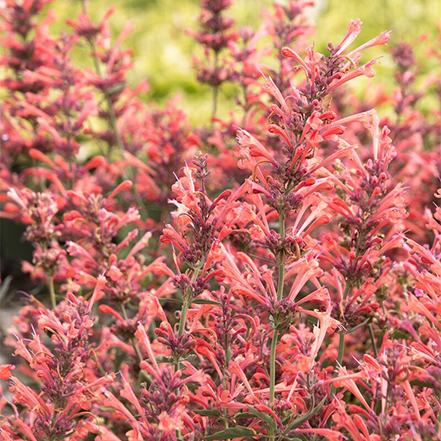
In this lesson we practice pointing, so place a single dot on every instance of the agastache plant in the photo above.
(215, 36)
(275, 275)
(287, 180)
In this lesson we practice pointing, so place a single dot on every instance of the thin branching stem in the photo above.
(52, 291)
(280, 285)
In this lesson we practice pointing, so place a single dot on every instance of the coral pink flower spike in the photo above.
(270, 273)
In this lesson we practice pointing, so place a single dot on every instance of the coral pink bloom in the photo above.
(169, 425)
(331, 435)
(354, 29)
(365, 70)
(245, 140)
(327, 325)
(5, 371)
(347, 381)
(290, 53)
(381, 39)
(275, 92)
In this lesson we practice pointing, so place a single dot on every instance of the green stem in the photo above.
(226, 425)
(281, 266)
(184, 311)
(273, 377)
(187, 299)
(215, 89)
(132, 340)
(245, 106)
(52, 291)
(374, 343)
(183, 316)
(113, 124)
(280, 281)
(124, 312)
(341, 350)
(273, 366)
(341, 343)
(224, 378)
(215, 95)
(280, 286)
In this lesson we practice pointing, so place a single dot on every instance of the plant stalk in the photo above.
(187, 299)
(183, 317)
(113, 120)
(281, 266)
(215, 89)
(374, 343)
(341, 350)
(273, 366)
(52, 291)
(280, 283)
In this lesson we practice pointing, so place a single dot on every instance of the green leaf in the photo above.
(398, 334)
(170, 300)
(233, 432)
(204, 412)
(243, 415)
(163, 359)
(306, 416)
(206, 302)
(66, 436)
(269, 420)
(365, 322)
(422, 383)
(4, 287)
(114, 90)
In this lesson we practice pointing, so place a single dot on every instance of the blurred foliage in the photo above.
(163, 52)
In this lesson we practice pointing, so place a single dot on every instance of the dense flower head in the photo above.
(271, 275)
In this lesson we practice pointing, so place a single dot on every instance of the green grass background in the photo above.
(163, 52)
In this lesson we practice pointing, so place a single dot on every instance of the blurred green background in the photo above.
(163, 52)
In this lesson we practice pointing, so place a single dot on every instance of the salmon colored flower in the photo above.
(5, 371)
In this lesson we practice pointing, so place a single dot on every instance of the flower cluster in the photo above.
(271, 276)
(215, 36)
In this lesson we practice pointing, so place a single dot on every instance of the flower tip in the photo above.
(125, 185)
(288, 52)
(35, 154)
(5, 371)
